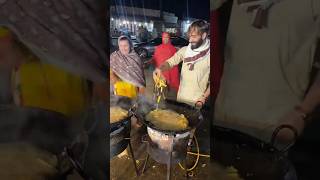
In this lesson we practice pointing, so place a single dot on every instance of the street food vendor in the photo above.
(194, 81)
(269, 55)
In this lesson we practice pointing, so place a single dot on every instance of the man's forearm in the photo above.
(312, 98)
(207, 93)
(165, 66)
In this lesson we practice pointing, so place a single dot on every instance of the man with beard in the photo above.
(194, 86)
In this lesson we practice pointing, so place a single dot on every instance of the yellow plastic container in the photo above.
(123, 88)
(49, 87)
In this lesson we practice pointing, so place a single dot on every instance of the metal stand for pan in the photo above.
(170, 147)
(169, 153)
(133, 159)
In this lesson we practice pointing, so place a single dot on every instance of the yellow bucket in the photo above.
(122, 88)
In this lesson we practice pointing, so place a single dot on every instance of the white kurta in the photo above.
(193, 84)
(266, 71)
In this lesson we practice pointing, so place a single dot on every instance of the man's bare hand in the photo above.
(200, 102)
(157, 73)
(294, 119)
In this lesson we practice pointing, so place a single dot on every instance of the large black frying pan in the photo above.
(125, 103)
(193, 115)
(253, 158)
(49, 130)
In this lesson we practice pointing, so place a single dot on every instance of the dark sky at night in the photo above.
(182, 8)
